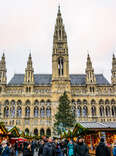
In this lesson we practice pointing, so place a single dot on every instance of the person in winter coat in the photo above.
(102, 149)
(59, 150)
(82, 149)
(70, 148)
(41, 146)
(4, 150)
(49, 149)
(114, 149)
(27, 150)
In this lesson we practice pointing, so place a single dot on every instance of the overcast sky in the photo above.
(29, 24)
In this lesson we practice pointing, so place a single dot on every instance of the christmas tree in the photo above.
(64, 118)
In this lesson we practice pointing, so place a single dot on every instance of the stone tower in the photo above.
(60, 63)
(90, 76)
(60, 60)
(3, 78)
(113, 78)
(29, 75)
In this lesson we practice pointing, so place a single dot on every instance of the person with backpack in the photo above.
(102, 149)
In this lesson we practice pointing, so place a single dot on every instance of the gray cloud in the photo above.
(29, 24)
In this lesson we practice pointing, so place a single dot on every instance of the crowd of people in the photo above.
(54, 147)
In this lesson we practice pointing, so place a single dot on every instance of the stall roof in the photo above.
(92, 125)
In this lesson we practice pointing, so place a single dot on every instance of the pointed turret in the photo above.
(29, 71)
(60, 62)
(3, 78)
(90, 77)
(60, 37)
(113, 78)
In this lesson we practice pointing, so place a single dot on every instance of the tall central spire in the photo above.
(60, 37)
(60, 63)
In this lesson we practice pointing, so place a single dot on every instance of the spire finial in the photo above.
(113, 56)
(59, 13)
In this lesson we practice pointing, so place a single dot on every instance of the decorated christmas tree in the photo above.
(64, 118)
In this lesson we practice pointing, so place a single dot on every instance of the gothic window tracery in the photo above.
(85, 111)
(78, 102)
(107, 111)
(84, 102)
(6, 103)
(27, 111)
(35, 111)
(36, 102)
(112, 101)
(60, 66)
(79, 111)
(101, 111)
(6, 112)
(19, 102)
(101, 102)
(48, 112)
(93, 102)
(107, 102)
(48, 102)
(12, 111)
(93, 111)
(42, 112)
(19, 111)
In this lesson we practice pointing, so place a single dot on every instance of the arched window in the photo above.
(42, 132)
(93, 111)
(27, 111)
(48, 112)
(48, 102)
(6, 112)
(79, 111)
(13, 102)
(85, 111)
(19, 102)
(107, 111)
(26, 131)
(78, 102)
(6, 103)
(36, 102)
(113, 111)
(84, 102)
(60, 66)
(12, 111)
(112, 101)
(36, 111)
(48, 132)
(36, 131)
(73, 102)
(101, 102)
(93, 102)
(101, 111)
(42, 103)
(42, 112)
(19, 111)
(107, 102)
(28, 102)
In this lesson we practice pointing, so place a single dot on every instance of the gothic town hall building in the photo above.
(30, 100)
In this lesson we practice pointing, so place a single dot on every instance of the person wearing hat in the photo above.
(4, 151)
(102, 149)
(82, 149)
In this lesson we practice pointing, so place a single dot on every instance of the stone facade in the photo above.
(30, 100)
